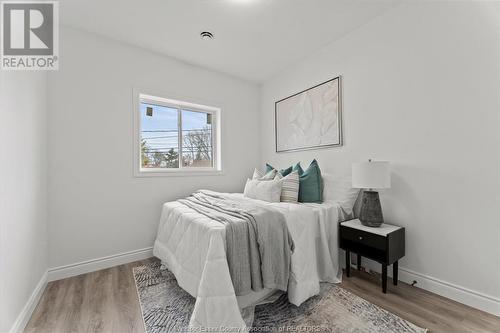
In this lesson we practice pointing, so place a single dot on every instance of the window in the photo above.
(176, 137)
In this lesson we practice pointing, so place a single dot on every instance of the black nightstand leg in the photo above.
(348, 263)
(395, 273)
(384, 278)
(359, 262)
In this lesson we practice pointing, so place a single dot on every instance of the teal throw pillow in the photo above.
(310, 183)
(284, 172)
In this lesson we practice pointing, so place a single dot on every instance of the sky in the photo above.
(165, 119)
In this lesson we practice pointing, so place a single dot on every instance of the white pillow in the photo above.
(266, 190)
(260, 175)
(339, 189)
(290, 188)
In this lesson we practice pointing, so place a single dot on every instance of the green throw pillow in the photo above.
(298, 168)
(283, 172)
(286, 172)
(310, 183)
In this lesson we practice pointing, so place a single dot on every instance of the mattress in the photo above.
(192, 246)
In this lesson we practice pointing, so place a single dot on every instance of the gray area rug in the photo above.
(167, 308)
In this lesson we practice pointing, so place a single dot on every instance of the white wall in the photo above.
(96, 207)
(421, 89)
(23, 191)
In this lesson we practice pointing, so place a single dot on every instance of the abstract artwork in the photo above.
(310, 119)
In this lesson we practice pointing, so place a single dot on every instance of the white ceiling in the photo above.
(254, 39)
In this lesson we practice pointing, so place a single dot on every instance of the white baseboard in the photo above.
(449, 290)
(29, 307)
(66, 271)
(452, 291)
(62, 272)
(460, 294)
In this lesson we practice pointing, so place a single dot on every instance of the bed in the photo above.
(193, 247)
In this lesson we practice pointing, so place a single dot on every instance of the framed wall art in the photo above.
(310, 119)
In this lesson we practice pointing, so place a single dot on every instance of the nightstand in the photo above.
(385, 245)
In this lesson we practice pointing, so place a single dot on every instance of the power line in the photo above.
(176, 130)
(161, 137)
(166, 150)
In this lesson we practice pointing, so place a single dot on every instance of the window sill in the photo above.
(177, 173)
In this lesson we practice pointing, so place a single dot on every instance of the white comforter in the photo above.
(193, 248)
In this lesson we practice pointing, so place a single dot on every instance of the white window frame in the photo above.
(154, 99)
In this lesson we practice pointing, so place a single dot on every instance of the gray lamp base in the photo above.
(371, 211)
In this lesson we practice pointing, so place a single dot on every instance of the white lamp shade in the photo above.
(375, 174)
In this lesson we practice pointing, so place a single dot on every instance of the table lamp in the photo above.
(371, 175)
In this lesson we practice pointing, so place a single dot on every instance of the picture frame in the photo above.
(310, 119)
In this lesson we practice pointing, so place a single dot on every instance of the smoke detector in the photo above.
(206, 35)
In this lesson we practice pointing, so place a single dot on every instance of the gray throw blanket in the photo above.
(258, 243)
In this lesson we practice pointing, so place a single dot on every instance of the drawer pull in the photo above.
(360, 238)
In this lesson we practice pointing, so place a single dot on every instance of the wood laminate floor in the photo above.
(106, 301)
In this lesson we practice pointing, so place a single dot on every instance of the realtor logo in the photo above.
(30, 33)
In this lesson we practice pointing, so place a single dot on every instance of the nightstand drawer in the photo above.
(363, 237)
